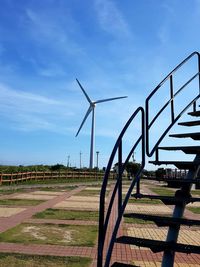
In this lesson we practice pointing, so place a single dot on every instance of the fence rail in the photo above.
(12, 178)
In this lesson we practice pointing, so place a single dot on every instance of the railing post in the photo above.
(194, 106)
(172, 98)
(119, 176)
(199, 69)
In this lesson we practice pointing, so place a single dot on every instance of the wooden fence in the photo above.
(14, 178)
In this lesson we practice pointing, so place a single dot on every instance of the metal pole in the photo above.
(97, 159)
(92, 141)
(80, 160)
(68, 161)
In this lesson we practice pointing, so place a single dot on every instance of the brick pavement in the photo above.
(121, 253)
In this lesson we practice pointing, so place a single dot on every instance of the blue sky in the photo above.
(113, 47)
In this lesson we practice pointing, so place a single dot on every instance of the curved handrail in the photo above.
(171, 101)
(145, 125)
(104, 223)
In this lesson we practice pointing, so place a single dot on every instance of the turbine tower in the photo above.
(92, 109)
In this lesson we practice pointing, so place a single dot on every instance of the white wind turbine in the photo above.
(92, 109)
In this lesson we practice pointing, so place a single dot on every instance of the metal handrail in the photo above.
(103, 220)
(145, 126)
(171, 101)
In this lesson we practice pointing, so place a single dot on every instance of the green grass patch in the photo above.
(136, 221)
(162, 191)
(67, 235)
(58, 188)
(143, 201)
(21, 260)
(60, 214)
(88, 193)
(20, 202)
(194, 209)
(12, 191)
(60, 181)
(196, 192)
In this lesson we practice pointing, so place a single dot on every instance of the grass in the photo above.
(162, 191)
(194, 209)
(20, 202)
(196, 192)
(136, 221)
(88, 193)
(59, 214)
(60, 181)
(58, 188)
(11, 191)
(67, 235)
(144, 201)
(21, 260)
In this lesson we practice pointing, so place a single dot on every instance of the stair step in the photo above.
(120, 264)
(190, 123)
(158, 246)
(183, 165)
(163, 221)
(185, 149)
(194, 113)
(168, 200)
(194, 136)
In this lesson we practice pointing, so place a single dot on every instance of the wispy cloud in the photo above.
(52, 31)
(30, 112)
(111, 19)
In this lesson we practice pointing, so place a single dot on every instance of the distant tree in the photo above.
(57, 167)
(160, 172)
(132, 168)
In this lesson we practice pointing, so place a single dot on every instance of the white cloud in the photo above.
(46, 29)
(111, 19)
(30, 112)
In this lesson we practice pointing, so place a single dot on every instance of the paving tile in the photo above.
(32, 196)
(7, 212)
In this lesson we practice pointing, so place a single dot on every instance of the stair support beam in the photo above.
(119, 176)
(173, 232)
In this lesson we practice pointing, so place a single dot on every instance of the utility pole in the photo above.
(68, 157)
(133, 157)
(97, 159)
(80, 160)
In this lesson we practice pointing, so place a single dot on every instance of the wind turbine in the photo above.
(92, 109)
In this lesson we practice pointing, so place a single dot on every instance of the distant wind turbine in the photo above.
(92, 109)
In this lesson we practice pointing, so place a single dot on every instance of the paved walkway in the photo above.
(121, 253)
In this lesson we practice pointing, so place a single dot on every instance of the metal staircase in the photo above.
(108, 238)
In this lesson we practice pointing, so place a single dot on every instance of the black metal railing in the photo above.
(174, 118)
(146, 124)
(103, 220)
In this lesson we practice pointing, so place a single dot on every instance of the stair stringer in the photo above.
(173, 232)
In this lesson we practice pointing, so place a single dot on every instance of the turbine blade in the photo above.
(109, 99)
(86, 95)
(86, 115)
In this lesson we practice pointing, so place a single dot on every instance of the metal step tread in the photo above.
(185, 149)
(194, 136)
(168, 200)
(162, 220)
(189, 123)
(158, 246)
(194, 113)
(179, 164)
